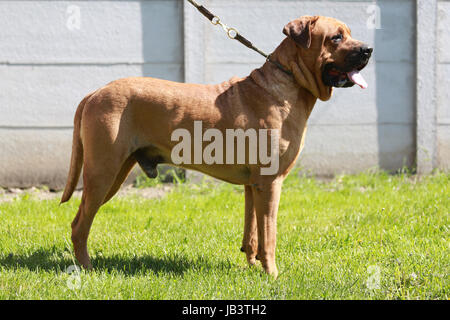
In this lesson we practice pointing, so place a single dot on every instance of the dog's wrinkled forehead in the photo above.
(304, 29)
(331, 26)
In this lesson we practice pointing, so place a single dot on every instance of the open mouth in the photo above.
(334, 76)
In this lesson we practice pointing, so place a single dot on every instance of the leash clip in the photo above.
(215, 20)
(231, 32)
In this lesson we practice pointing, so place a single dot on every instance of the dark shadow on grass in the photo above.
(50, 259)
(53, 259)
(174, 264)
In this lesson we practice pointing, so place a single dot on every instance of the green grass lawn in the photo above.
(370, 236)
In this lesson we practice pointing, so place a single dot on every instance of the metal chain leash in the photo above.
(234, 34)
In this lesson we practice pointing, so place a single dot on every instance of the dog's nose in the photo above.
(366, 51)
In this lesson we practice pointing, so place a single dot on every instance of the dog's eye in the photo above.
(337, 38)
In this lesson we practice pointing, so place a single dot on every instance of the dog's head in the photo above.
(327, 49)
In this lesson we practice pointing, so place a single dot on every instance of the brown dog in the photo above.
(131, 120)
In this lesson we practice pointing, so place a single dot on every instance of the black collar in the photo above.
(279, 66)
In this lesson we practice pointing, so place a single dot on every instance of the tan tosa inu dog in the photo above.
(132, 120)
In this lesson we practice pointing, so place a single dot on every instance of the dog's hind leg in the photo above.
(250, 239)
(99, 176)
(94, 192)
(121, 176)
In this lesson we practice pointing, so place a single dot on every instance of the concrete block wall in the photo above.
(55, 52)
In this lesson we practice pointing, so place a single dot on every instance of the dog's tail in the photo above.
(76, 162)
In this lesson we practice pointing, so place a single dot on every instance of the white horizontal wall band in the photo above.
(100, 64)
(13, 127)
(398, 124)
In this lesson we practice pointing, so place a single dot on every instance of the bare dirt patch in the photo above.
(8, 195)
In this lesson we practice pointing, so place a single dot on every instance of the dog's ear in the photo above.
(299, 30)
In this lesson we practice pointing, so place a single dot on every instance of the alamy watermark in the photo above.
(235, 147)
(73, 21)
(74, 280)
(374, 19)
(373, 281)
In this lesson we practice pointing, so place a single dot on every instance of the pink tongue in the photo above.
(357, 78)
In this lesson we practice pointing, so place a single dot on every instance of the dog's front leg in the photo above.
(250, 240)
(266, 197)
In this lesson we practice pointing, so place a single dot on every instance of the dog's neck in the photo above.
(304, 67)
(296, 91)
